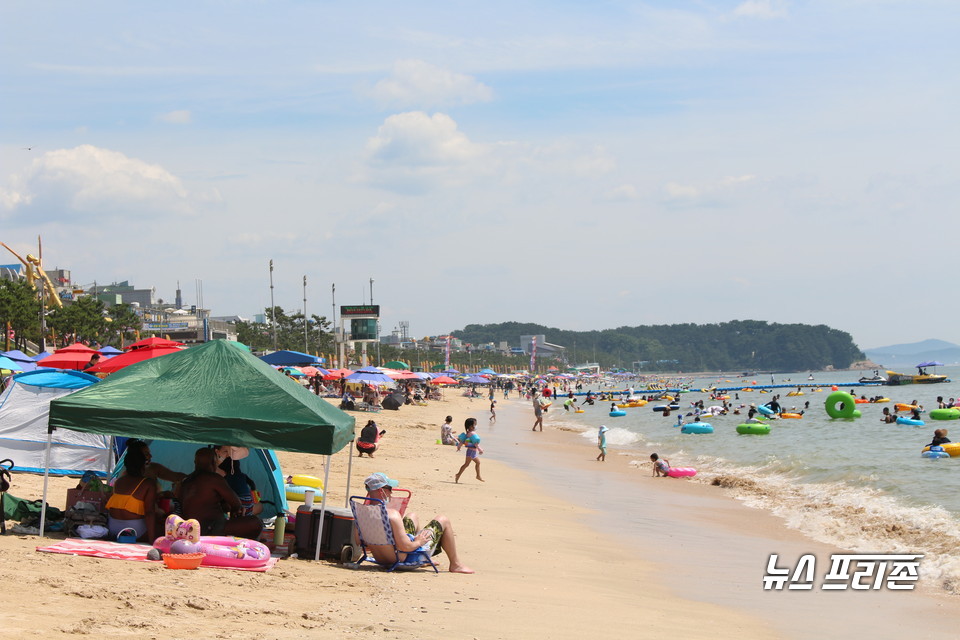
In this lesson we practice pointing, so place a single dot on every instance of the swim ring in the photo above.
(618, 413)
(945, 414)
(910, 422)
(934, 452)
(952, 449)
(765, 410)
(297, 492)
(840, 404)
(697, 427)
(681, 472)
(900, 406)
(578, 411)
(306, 481)
(795, 393)
(221, 551)
(795, 416)
(753, 429)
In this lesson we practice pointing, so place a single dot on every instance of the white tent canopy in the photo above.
(24, 412)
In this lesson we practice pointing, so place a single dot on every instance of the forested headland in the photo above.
(738, 345)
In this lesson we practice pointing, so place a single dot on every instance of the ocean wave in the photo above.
(861, 519)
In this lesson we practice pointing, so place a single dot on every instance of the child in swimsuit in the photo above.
(471, 441)
(660, 467)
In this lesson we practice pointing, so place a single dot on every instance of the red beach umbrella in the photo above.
(148, 343)
(126, 359)
(76, 356)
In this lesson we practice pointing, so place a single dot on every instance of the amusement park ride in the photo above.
(33, 270)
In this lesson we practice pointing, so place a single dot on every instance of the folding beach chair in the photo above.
(399, 500)
(373, 528)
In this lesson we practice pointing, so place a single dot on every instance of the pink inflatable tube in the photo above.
(681, 472)
(183, 536)
(224, 551)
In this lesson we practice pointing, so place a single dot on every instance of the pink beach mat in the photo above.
(120, 551)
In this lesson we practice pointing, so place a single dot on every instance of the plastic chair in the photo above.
(373, 528)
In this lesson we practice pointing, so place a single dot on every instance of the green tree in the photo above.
(20, 306)
(124, 323)
(83, 320)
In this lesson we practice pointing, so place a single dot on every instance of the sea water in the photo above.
(859, 484)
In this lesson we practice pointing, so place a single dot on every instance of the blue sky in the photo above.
(579, 165)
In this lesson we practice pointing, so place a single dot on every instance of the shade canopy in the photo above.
(211, 394)
(397, 364)
(290, 358)
(932, 363)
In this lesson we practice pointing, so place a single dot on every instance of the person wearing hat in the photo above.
(602, 443)
(435, 537)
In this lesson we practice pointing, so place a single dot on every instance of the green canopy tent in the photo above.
(396, 364)
(213, 393)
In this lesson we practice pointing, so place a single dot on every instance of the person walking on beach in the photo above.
(493, 411)
(602, 443)
(537, 413)
(471, 441)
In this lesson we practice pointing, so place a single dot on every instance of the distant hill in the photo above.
(904, 356)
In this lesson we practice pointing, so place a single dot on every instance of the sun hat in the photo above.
(603, 428)
(378, 480)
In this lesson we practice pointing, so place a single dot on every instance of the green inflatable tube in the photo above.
(838, 398)
(945, 414)
(754, 429)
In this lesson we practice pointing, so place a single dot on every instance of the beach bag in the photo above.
(5, 467)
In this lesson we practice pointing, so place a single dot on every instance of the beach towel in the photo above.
(120, 551)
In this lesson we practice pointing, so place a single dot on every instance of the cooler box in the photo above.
(337, 533)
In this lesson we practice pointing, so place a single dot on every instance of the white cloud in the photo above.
(181, 116)
(90, 180)
(707, 191)
(765, 9)
(623, 193)
(732, 181)
(416, 83)
(414, 150)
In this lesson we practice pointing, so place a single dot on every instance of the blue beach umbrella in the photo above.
(9, 365)
(370, 375)
(476, 379)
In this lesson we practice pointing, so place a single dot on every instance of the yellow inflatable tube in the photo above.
(953, 448)
(306, 481)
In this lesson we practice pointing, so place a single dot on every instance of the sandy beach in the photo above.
(552, 558)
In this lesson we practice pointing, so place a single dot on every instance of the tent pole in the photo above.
(346, 497)
(323, 505)
(46, 476)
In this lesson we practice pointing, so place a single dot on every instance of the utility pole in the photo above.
(378, 324)
(333, 305)
(306, 342)
(273, 311)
